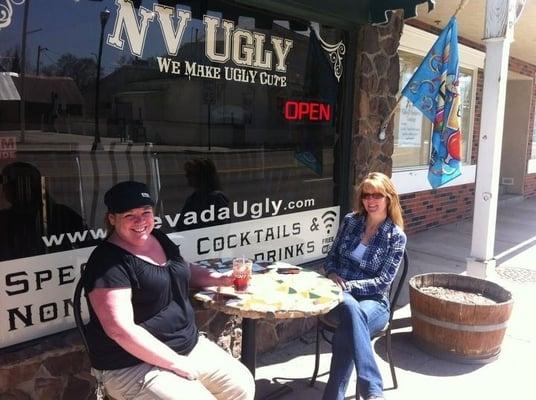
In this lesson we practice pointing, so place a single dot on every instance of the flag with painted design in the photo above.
(434, 90)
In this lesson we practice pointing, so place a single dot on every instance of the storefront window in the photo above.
(413, 131)
(230, 115)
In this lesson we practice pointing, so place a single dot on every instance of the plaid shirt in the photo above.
(381, 259)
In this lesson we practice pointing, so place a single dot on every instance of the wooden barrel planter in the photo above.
(447, 325)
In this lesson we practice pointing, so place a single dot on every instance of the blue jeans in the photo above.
(359, 319)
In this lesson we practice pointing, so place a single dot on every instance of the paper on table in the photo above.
(282, 264)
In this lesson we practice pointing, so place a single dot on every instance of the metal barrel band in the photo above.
(459, 327)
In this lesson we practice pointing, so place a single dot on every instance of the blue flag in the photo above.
(433, 89)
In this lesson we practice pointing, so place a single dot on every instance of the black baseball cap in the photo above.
(127, 195)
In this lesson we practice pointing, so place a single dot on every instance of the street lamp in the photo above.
(104, 15)
(39, 51)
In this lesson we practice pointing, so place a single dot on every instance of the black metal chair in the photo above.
(324, 324)
(77, 313)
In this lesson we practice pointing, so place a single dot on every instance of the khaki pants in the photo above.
(221, 377)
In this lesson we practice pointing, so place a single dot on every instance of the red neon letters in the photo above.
(296, 110)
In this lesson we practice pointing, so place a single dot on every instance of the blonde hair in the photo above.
(380, 183)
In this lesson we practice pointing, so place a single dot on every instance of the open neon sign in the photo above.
(296, 110)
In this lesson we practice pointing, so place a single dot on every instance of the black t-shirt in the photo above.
(160, 305)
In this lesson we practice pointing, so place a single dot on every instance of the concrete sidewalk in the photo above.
(420, 375)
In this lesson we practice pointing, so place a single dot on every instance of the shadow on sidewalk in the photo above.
(409, 357)
(286, 388)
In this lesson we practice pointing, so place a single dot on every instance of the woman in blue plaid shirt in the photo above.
(363, 261)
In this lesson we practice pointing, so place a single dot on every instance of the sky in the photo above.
(73, 26)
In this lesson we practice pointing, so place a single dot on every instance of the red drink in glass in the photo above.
(241, 273)
(241, 284)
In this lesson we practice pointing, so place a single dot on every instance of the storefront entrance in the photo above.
(515, 135)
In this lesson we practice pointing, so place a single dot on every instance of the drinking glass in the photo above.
(241, 273)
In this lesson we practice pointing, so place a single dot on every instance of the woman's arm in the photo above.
(202, 277)
(331, 259)
(114, 310)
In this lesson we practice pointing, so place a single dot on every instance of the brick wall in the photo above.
(425, 210)
(530, 186)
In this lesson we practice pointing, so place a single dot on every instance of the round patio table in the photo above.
(273, 293)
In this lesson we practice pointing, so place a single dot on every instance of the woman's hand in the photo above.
(225, 280)
(204, 277)
(185, 369)
(338, 280)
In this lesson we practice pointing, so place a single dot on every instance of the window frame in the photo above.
(418, 42)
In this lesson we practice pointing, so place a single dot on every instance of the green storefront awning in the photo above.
(347, 14)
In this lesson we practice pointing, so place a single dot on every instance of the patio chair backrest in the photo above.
(398, 283)
(77, 311)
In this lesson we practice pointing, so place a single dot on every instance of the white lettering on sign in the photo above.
(127, 22)
(172, 36)
(36, 295)
(245, 48)
(36, 292)
(281, 48)
(296, 238)
(211, 23)
(243, 51)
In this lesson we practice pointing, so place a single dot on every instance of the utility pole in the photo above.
(104, 15)
(23, 73)
(39, 50)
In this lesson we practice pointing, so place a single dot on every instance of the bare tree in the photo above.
(82, 70)
(10, 60)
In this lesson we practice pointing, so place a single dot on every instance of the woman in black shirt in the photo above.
(142, 335)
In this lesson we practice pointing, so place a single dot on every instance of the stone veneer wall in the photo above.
(377, 76)
(57, 368)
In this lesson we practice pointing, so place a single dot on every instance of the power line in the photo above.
(50, 58)
(52, 51)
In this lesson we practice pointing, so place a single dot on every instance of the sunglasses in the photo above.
(375, 196)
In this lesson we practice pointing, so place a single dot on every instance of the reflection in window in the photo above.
(412, 131)
(158, 114)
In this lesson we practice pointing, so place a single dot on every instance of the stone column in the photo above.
(377, 86)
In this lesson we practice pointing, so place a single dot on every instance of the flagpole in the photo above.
(383, 127)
